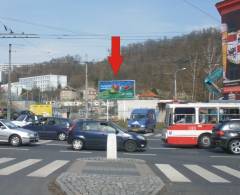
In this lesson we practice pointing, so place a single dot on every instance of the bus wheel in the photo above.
(204, 141)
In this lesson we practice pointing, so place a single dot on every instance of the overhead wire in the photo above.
(201, 10)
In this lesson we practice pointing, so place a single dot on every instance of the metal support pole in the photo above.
(86, 92)
(124, 111)
(9, 102)
(107, 110)
(175, 86)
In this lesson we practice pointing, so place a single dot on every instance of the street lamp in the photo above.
(175, 82)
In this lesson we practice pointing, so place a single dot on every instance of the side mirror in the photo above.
(3, 127)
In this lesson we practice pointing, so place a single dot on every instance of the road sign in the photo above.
(117, 89)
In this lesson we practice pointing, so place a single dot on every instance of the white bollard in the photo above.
(112, 146)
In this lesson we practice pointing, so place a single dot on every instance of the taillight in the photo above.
(220, 133)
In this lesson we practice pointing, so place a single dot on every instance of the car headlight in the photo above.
(140, 137)
(30, 134)
(143, 126)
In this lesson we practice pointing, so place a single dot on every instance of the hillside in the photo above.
(152, 64)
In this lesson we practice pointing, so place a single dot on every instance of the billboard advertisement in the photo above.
(232, 22)
(116, 89)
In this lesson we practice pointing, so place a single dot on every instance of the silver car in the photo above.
(14, 135)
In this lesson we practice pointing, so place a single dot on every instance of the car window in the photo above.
(234, 126)
(107, 128)
(91, 126)
(50, 121)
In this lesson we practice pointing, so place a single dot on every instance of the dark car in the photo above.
(92, 134)
(51, 128)
(227, 136)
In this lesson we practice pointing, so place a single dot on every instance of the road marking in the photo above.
(56, 144)
(224, 156)
(158, 135)
(171, 173)
(163, 148)
(3, 160)
(23, 149)
(228, 170)
(209, 176)
(44, 141)
(48, 169)
(134, 154)
(18, 166)
(73, 151)
(147, 134)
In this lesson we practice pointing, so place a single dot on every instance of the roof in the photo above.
(228, 6)
(204, 105)
(148, 94)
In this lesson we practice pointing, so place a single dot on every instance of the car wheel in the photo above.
(130, 146)
(234, 146)
(77, 144)
(15, 140)
(62, 136)
(204, 141)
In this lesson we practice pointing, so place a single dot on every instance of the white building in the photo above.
(44, 82)
(16, 88)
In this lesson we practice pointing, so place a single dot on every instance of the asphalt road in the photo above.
(28, 170)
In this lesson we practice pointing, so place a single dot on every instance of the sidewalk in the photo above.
(95, 176)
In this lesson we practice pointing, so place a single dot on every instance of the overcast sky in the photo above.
(89, 24)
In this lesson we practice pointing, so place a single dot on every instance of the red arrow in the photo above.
(115, 59)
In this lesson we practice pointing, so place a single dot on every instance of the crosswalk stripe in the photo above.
(48, 169)
(18, 166)
(228, 170)
(209, 176)
(3, 160)
(171, 173)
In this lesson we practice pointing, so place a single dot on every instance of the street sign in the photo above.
(117, 89)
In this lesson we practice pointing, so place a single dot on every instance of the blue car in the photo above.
(92, 134)
(51, 128)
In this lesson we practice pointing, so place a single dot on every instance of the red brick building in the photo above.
(230, 14)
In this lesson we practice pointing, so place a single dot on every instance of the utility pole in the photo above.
(12, 35)
(86, 90)
(9, 102)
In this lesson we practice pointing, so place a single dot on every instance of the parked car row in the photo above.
(87, 134)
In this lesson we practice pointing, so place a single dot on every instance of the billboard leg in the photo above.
(107, 109)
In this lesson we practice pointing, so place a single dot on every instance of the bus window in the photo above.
(184, 115)
(208, 115)
(168, 117)
(229, 113)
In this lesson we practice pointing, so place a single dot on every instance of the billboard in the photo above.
(42, 109)
(116, 89)
(232, 40)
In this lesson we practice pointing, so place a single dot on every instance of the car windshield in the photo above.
(10, 125)
(118, 127)
(21, 117)
(138, 116)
